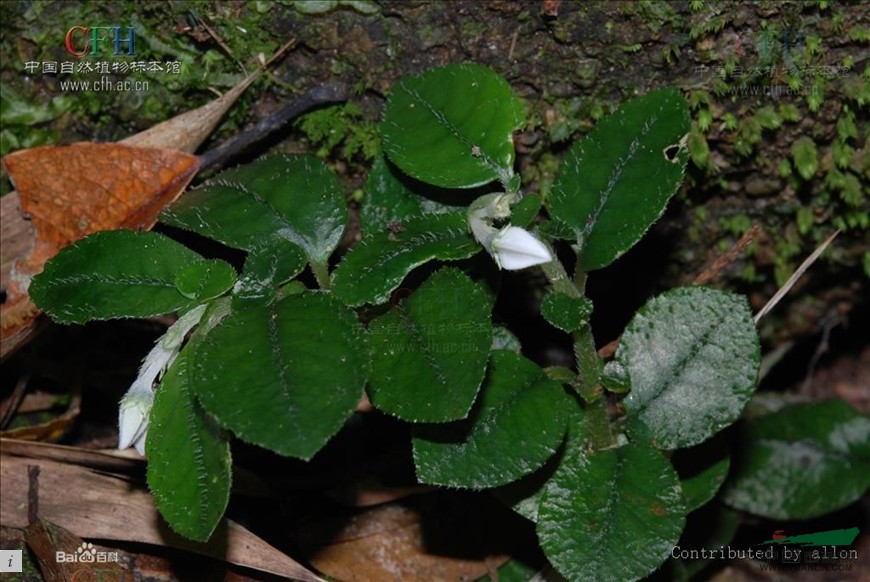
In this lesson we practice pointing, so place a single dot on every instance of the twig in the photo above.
(821, 350)
(14, 401)
(220, 42)
(313, 98)
(723, 261)
(777, 297)
(32, 493)
(278, 53)
(513, 44)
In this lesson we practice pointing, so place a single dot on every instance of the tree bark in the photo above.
(573, 62)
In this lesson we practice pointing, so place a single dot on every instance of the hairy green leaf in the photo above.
(429, 353)
(524, 496)
(565, 312)
(291, 197)
(119, 273)
(270, 266)
(285, 375)
(702, 469)
(611, 515)
(453, 126)
(189, 467)
(377, 265)
(692, 355)
(517, 423)
(803, 461)
(391, 199)
(205, 280)
(616, 181)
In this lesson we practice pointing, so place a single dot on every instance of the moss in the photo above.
(698, 226)
(697, 98)
(806, 157)
(788, 112)
(113, 115)
(860, 34)
(704, 119)
(568, 116)
(630, 48)
(670, 53)
(736, 225)
(749, 273)
(24, 123)
(709, 24)
(656, 14)
(786, 247)
(699, 150)
(804, 219)
(341, 125)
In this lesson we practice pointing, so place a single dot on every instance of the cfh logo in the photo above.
(89, 40)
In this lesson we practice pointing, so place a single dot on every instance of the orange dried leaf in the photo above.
(74, 190)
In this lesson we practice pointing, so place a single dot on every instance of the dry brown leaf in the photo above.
(22, 238)
(112, 460)
(184, 132)
(187, 131)
(55, 427)
(72, 191)
(387, 543)
(104, 506)
(45, 539)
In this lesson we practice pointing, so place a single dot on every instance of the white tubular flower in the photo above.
(512, 247)
(516, 248)
(135, 408)
(133, 417)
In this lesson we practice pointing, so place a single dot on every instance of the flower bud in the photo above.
(516, 248)
(136, 405)
(133, 417)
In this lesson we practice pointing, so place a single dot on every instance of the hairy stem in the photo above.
(589, 365)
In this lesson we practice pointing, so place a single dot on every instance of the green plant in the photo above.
(283, 365)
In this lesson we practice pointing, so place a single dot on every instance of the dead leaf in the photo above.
(551, 8)
(17, 235)
(187, 131)
(113, 460)
(51, 430)
(72, 191)
(388, 543)
(105, 506)
(21, 238)
(46, 539)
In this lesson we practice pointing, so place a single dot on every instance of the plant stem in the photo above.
(558, 278)
(589, 365)
(598, 423)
